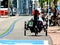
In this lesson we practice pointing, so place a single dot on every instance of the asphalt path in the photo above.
(16, 25)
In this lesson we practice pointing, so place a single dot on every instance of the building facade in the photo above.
(15, 3)
(23, 6)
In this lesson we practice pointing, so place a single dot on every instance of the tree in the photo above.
(42, 1)
(55, 11)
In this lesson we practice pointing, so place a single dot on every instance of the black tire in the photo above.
(36, 32)
(25, 29)
(46, 32)
(24, 32)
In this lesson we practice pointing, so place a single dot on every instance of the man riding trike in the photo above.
(36, 25)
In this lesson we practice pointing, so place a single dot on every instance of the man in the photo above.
(37, 15)
(11, 10)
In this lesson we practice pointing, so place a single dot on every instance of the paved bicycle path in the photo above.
(18, 32)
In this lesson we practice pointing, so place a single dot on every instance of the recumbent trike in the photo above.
(37, 29)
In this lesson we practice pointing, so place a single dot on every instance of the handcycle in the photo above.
(29, 25)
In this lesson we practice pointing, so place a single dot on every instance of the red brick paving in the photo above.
(54, 32)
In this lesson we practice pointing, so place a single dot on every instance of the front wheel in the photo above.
(25, 28)
(24, 32)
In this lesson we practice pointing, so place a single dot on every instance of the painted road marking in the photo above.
(10, 29)
(24, 42)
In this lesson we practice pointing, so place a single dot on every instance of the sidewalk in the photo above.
(3, 18)
(54, 32)
(54, 29)
(5, 22)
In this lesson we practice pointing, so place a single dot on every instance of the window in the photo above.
(4, 4)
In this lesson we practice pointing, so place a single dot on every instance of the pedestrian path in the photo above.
(54, 29)
(5, 24)
(18, 32)
(54, 32)
(8, 25)
(4, 18)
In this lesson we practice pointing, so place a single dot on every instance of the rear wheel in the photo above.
(46, 32)
(36, 32)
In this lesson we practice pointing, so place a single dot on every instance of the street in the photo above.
(15, 13)
(12, 28)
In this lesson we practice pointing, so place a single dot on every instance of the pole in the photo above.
(0, 8)
(17, 7)
(33, 4)
(8, 8)
(48, 13)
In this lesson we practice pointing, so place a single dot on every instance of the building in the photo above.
(4, 3)
(25, 6)
(15, 3)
